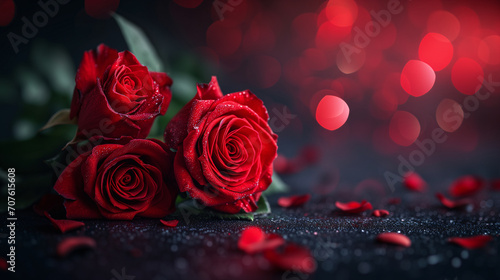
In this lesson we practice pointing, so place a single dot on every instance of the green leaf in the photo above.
(139, 44)
(277, 186)
(61, 117)
(263, 206)
(190, 207)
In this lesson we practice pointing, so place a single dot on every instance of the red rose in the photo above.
(117, 96)
(119, 179)
(225, 148)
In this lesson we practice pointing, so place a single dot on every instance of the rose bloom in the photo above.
(116, 96)
(119, 179)
(225, 148)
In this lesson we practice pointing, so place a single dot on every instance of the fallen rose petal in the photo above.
(64, 225)
(452, 204)
(49, 203)
(472, 242)
(394, 238)
(254, 240)
(293, 257)
(466, 186)
(171, 223)
(3, 264)
(293, 201)
(70, 244)
(414, 182)
(380, 213)
(394, 201)
(354, 206)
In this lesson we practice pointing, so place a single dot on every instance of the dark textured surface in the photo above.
(343, 246)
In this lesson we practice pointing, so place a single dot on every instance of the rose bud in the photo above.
(116, 96)
(119, 179)
(224, 148)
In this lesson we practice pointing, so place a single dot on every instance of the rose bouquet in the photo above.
(216, 156)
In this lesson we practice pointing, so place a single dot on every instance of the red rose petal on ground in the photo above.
(354, 206)
(254, 240)
(466, 186)
(414, 182)
(452, 204)
(3, 264)
(293, 257)
(394, 201)
(171, 223)
(472, 242)
(294, 200)
(64, 225)
(70, 244)
(394, 238)
(380, 213)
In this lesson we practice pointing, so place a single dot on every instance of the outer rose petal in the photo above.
(380, 213)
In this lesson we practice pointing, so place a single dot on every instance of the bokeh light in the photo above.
(449, 115)
(489, 50)
(332, 112)
(444, 22)
(417, 78)
(435, 50)
(467, 76)
(404, 128)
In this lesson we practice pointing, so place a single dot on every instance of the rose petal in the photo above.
(293, 257)
(452, 204)
(49, 203)
(394, 238)
(254, 240)
(466, 186)
(380, 213)
(354, 206)
(64, 225)
(472, 242)
(414, 182)
(171, 223)
(394, 201)
(294, 200)
(70, 244)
